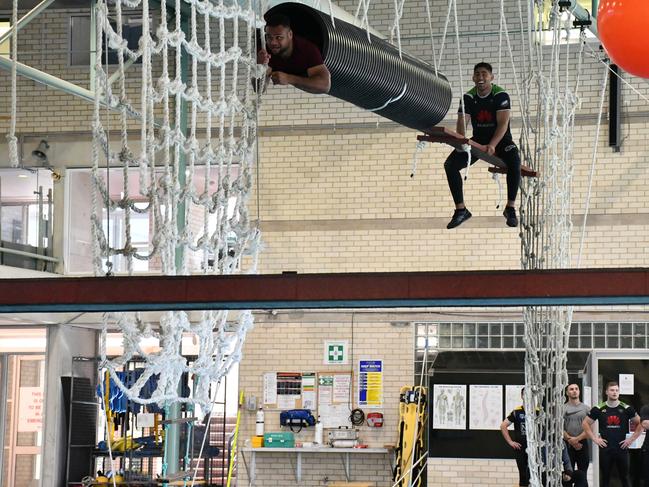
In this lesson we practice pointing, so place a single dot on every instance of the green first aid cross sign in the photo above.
(335, 352)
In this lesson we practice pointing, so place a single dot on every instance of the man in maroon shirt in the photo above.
(291, 59)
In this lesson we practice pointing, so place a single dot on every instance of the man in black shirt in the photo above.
(488, 107)
(613, 417)
(517, 418)
(644, 418)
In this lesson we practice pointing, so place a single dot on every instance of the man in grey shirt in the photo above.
(573, 432)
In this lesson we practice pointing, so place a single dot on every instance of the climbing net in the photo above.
(189, 130)
(549, 88)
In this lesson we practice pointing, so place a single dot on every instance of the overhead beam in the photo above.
(298, 291)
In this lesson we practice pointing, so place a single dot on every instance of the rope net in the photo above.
(548, 104)
(184, 119)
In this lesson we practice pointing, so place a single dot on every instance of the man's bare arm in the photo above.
(638, 431)
(586, 424)
(505, 432)
(461, 125)
(317, 81)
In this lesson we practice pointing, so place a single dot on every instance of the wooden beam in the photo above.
(356, 290)
(443, 135)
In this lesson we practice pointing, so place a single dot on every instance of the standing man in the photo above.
(488, 108)
(613, 417)
(573, 432)
(517, 418)
(644, 419)
(291, 59)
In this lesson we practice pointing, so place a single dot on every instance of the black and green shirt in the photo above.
(613, 422)
(517, 418)
(483, 114)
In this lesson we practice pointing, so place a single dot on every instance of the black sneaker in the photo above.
(459, 217)
(510, 216)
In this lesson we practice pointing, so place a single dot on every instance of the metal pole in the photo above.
(173, 433)
(26, 19)
(93, 44)
(47, 79)
(40, 229)
(28, 254)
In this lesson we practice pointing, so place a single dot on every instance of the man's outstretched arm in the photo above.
(317, 81)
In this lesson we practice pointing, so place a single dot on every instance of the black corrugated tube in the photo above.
(370, 74)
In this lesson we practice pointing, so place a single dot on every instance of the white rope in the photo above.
(547, 146)
(12, 140)
(193, 228)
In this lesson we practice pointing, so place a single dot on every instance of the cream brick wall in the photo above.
(283, 344)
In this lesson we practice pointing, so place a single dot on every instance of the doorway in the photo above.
(22, 383)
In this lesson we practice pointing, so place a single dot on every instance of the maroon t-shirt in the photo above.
(305, 55)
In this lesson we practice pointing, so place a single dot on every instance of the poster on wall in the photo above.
(626, 384)
(449, 406)
(270, 388)
(308, 391)
(370, 383)
(30, 409)
(334, 399)
(485, 407)
(513, 399)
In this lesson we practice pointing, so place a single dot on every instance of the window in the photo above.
(5, 47)
(79, 46)
(79, 242)
(509, 336)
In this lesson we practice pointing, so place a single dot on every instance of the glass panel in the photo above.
(495, 341)
(626, 342)
(612, 342)
(586, 342)
(600, 342)
(599, 329)
(445, 329)
(457, 329)
(639, 329)
(639, 342)
(483, 330)
(469, 328)
(5, 47)
(494, 329)
(483, 342)
(445, 342)
(573, 342)
(469, 342)
(626, 329)
(520, 343)
(25, 474)
(612, 329)
(508, 342)
(19, 209)
(508, 329)
(585, 329)
(457, 342)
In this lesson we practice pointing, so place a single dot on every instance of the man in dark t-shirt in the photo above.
(613, 418)
(644, 420)
(519, 445)
(291, 59)
(488, 107)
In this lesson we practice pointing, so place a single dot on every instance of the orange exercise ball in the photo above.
(622, 30)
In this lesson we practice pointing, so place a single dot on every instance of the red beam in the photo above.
(415, 289)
